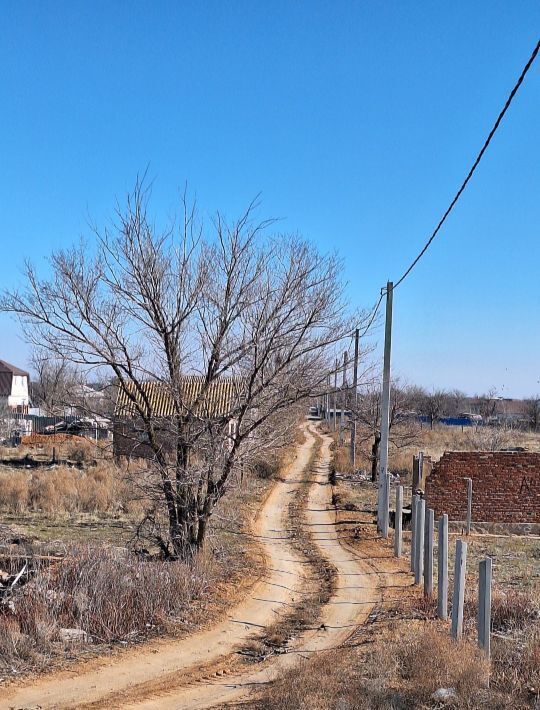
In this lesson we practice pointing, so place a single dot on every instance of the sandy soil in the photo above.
(202, 670)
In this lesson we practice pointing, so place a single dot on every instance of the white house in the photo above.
(13, 387)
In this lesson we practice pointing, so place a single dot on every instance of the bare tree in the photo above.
(434, 404)
(487, 404)
(403, 429)
(54, 380)
(158, 306)
(532, 411)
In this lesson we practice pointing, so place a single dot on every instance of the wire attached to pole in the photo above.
(475, 164)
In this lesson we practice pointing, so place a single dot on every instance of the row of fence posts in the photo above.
(421, 565)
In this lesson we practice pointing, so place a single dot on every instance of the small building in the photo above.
(217, 402)
(13, 388)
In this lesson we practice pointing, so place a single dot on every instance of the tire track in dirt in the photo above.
(357, 591)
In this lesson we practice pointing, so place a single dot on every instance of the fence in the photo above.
(422, 555)
(14, 425)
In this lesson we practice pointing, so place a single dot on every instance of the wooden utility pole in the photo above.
(354, 397)
(385, 408)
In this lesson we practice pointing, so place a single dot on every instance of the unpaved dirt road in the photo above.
(196, 672)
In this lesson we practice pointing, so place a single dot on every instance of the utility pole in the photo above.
(385, 409)
(335, 391)
(355, 397)
(327, 399)
(343, 397)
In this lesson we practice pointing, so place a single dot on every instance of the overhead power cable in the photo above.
(475, 164)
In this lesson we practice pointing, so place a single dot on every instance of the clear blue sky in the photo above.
(355, 120)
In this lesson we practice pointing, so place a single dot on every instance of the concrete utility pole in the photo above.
(385, 402)
(335, 392)
(355, 397)
(327, 399)
(343, 397)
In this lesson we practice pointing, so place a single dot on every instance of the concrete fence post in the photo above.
(428, 553)
(442, 569)
(469, 505)
(414, 503)
(419, 547)
(459, 589)
(398, 522)
(385, 505)
(484, 605)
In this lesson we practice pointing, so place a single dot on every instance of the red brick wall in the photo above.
(506, 486)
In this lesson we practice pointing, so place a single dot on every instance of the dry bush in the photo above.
(513, 611)
(401, 673)
(516, 665)
(265, 468)
(102, 488)
(14, 491)
(429, 659)
(108, 593)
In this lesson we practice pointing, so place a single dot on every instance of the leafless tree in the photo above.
(434, 404)
(487, 404)
(147, 304)
(531, 408)
(54, 380)
(403, 429)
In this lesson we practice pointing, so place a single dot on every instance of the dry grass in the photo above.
(402, 672)
(58, 490)
(109, 593)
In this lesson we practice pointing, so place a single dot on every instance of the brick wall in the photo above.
(506, 486)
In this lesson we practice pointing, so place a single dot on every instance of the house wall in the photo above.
(506, 486)
(19, 391)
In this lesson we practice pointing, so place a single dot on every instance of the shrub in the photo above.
(14, 491)
(110, 594)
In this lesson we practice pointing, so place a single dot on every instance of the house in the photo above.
(13, 388)
(199, 402)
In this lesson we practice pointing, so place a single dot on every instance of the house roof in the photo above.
(218, 401)
(5, 367)
(6, 377)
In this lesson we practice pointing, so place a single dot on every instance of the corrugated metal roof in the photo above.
(219, 400)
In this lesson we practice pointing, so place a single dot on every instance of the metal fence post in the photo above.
(419, 547)
(398, 522)
(459, 589)
(442, 569)
(484, 605)
(428, 553)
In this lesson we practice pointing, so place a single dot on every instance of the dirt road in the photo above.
(196, 672)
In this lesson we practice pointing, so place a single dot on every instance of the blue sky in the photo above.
(356, 121)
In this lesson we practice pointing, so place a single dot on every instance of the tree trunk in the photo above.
(375, 456)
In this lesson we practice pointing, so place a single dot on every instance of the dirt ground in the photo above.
(208, 669)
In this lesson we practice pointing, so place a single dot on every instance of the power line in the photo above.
(475, 164)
